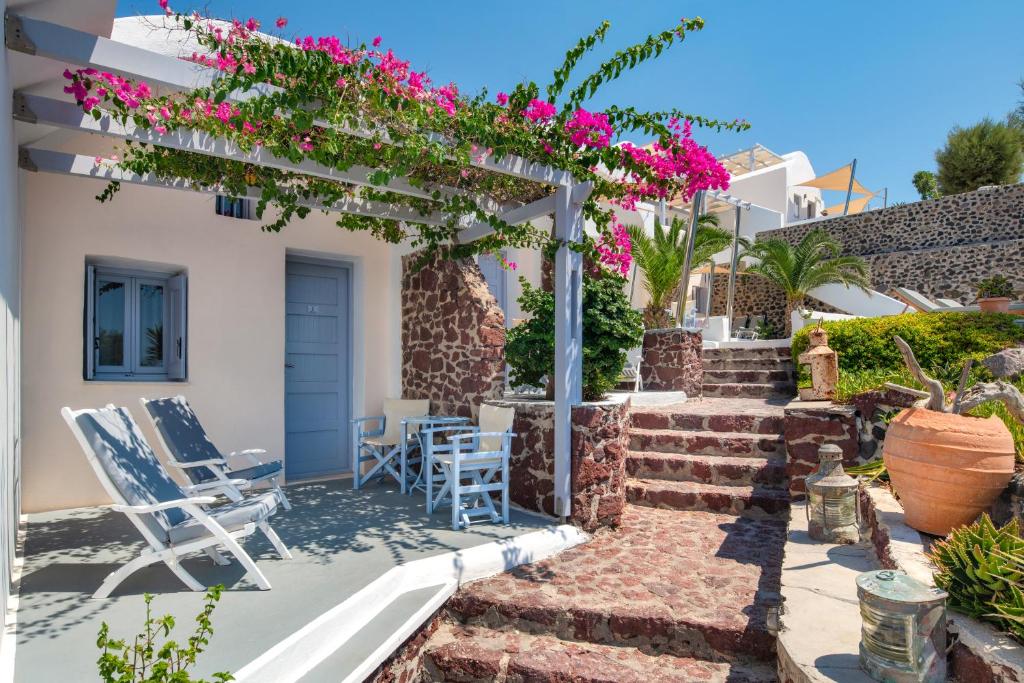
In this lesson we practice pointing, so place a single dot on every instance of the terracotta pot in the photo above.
(946, 468)
(995, 304)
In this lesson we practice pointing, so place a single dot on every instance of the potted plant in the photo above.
(995, 294)
(947, 467)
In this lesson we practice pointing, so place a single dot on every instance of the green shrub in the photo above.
(610, 326)
(941, 341)
(981, 568)
(144, 660)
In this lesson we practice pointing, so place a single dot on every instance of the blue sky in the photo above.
(882, 82)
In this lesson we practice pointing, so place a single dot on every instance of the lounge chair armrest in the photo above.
(197, 463)
(185, 503)
(218, 484)
(249, 454)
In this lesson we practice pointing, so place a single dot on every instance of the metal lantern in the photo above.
(832, 511)
(903, 629)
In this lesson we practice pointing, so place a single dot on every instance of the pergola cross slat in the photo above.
(64, 44)
(57, 42)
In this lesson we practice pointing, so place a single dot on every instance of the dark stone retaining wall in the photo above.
(858, 429)
(453, 336)
(756, 297)
(672, 361)
(939, 247)
(405, 665)
(600, 440)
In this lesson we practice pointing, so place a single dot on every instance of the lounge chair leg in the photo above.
(232, 546)
(115, 577)
(215, 555)
(276, 541)
(280, 494)
(175, 566)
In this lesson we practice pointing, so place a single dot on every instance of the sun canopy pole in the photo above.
(691, 240)
(568, 377)
(849, 190)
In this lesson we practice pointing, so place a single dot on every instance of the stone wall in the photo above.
(453, 336)
(756, 297)
(808, 426)
(600, 439)
(672, 361)
(940, 247)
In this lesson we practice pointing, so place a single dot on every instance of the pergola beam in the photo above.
(64, 44)
(83, 166)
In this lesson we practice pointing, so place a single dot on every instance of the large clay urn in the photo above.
(947, 469)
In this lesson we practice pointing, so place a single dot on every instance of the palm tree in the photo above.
(814, 262)
(660, 259)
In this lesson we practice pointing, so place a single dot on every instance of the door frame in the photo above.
(351, 265)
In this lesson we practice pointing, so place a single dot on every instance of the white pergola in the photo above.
(63, 44)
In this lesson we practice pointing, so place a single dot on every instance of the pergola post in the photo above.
(733, 265)
(691, 240)
(568, 377)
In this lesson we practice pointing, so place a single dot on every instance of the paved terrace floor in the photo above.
(341, 541)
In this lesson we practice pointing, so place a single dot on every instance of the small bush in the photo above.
(941, 341)
(610, 326)
(995, 286)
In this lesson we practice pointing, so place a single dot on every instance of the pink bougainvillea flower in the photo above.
(589, 130)
(539, 111)
(160, 128)
(97, 160)
(252, 24)
(164, 5)
(281, 22)
(376, 41)
(501, 99)
(249, 68)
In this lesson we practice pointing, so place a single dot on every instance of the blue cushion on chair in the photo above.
(257, 472)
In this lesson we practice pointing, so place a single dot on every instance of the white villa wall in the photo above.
(236, 338)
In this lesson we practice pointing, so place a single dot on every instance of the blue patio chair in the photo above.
(173, 522)
(472, 465)
(189, 449)
(383, 445)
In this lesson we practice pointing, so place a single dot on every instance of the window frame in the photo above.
(132, 369)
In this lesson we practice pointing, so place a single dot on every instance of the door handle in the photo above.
(289, 365)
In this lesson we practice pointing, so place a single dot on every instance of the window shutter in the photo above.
(89, 325)
(177, 355)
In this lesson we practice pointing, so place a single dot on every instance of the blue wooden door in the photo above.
(317, 349)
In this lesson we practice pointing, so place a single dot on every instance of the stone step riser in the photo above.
(748, 424)
(765, 473)
(782, 353)
(474, 653)
(757, 503)
(750, 364)
(654, 634)
(706, 443)
(748, 390)
(746, 376)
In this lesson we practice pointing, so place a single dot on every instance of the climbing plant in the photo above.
(348, 107)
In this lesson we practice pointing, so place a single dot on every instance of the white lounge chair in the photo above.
(631, 371)
(173, 522)
(383, 445)
(472, 465)
(189, 449)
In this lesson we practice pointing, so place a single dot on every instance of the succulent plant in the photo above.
(982, 569)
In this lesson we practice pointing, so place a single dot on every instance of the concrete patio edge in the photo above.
(302, 651)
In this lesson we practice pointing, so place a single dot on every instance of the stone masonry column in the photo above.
(672, 361)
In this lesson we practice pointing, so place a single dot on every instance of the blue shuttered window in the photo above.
(134, 325)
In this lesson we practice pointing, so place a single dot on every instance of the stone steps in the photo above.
(713, 416)
(472, 653)
(748, 389)
(755, 501)
(707, 469)
(694, 585)
(747, 376)
(739, 444)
